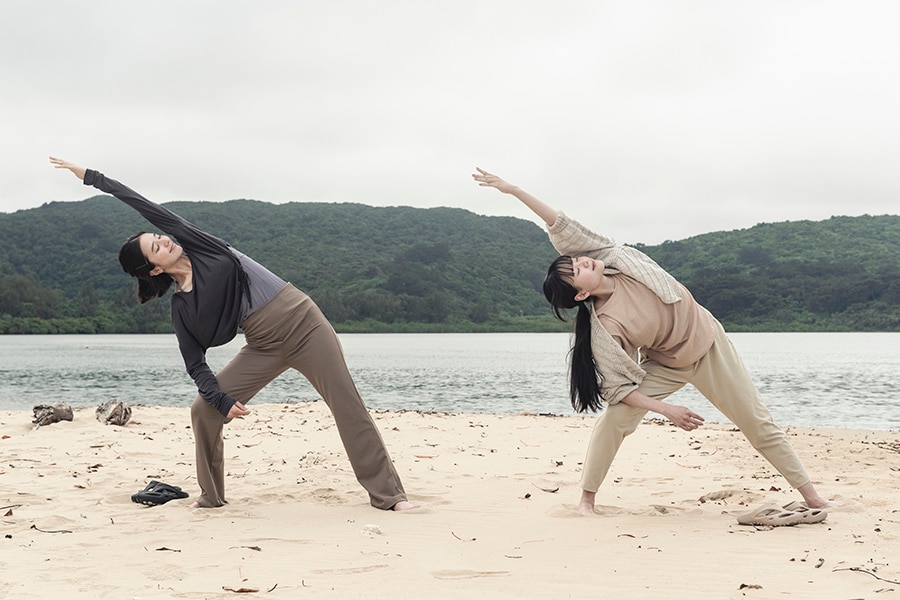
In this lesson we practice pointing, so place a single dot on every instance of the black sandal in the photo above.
(157, 492)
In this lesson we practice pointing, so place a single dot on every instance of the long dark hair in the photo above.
(136, 264)
(584, 379)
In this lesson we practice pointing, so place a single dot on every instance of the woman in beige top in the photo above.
(639, 337)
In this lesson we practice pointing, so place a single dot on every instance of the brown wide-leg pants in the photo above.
(291, 332)
(723, 379)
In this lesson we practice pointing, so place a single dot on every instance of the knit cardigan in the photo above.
(620, 373)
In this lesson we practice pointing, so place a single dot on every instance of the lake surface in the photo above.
(806, 379)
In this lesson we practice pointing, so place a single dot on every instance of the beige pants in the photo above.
(291, 332)
(722, 378)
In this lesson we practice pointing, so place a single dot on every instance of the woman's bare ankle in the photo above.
(813, 499)
(586, 504)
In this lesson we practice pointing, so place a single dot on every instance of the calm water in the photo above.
(815, 379)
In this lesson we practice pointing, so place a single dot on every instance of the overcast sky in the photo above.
(646, 119)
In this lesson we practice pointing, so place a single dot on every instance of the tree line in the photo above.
(442, 269)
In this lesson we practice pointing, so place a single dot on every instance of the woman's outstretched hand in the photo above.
(59, 163)
(237, 411)
(486, 179)
(683, 417)
(544, 211)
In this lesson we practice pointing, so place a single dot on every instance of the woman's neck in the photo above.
(182, 272)
(604, 289)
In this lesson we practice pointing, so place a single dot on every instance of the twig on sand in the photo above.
(36, 528)
(861, 570)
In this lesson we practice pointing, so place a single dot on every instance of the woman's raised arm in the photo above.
(538, 207)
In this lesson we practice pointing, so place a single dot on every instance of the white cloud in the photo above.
(650, 120)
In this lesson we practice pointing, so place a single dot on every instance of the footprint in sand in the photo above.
(564, 511)
(665, 509)
(466, 574)
(429, 499)
(349, 571)
(719, 495)
(568, 511)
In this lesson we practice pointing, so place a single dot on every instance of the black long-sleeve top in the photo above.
(210, 313)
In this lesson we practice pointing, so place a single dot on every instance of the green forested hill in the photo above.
(368, 268)
(841, 274)
(441, 269)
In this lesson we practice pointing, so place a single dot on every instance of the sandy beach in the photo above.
(497, 512)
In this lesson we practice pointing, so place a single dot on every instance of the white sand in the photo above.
(497, 516)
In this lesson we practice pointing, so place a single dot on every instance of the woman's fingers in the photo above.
(59, 163)
(489, 179)
(237, 411)
(690, 421)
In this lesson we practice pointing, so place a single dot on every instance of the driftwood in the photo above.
(44, 414)
(113, 413)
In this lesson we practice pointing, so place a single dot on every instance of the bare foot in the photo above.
(813, 499)
(586, 505)
(194, 505)
(404, 505)
(586, 510)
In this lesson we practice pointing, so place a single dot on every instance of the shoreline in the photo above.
(497, 515)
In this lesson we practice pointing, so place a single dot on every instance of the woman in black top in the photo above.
(217, 290)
